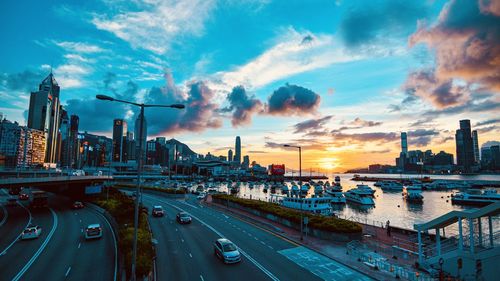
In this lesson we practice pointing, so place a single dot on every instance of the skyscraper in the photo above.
(237, 154)
(74, 141)
(246, 162)
(64, 148)
(137, 136)
(120, 141)
(404, 143)
(464, 144)
(230, 155)
(475, 146)
(43, 114)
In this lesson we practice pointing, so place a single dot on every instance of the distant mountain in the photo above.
(186, 151)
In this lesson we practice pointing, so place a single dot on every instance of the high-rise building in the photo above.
(230, 155)
(237, 154)
(93, 150)
(120, 141)
(404, 143)
(246, 162)
(131, 146)
(43, 114)
(464, 145)
(21, 146)
(143, 138)
(74, 145)
(475, 146)
(64, 148)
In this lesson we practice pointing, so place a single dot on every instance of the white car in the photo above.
(201, 196)
(93, 231)
(31, 232)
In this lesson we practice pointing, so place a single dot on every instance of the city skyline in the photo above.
(343, 95)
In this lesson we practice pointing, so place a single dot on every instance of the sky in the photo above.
(342, 79)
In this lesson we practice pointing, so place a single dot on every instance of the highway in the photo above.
(185, 252)
(61, 252)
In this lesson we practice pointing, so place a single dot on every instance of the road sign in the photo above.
(306, 220)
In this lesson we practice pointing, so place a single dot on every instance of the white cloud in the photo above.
(158, 24)
(78, 47)
(295, 52)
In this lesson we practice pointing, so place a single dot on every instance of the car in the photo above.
(201, 196)
(77, 205)
(93, 231)
(183, 217)
(158, 211)
(31, 232)
(23, 196)
(226, 251)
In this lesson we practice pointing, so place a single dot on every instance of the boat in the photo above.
(391, 186)
(359, 196)
(413, 193)
(365, 189)
(295, 189)
(476, 197)
(285, 189)
(315, 205)
(337, 179)
(305, 188)
(318, 189)
(327, 184)
(336, 195)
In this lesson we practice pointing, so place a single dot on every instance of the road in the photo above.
(61, 252)
(185, 252)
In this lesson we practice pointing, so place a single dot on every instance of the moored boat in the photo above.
(476, 197)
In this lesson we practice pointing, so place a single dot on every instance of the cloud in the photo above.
(364, 123)
(157, 25)
(256, 151)
(473, 106)
(488, 129)
(466, 41)
(27, 80)
(421, 137)
(242, 106)
(78, 47)
(366, 137)
(421, 122)
(312, 125)
(441, 93)
(372, 22)
(293, 100)
(487, 122)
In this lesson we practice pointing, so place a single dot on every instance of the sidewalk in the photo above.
(330, 249)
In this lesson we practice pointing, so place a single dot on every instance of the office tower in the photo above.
(120, 141)
(475, 146)
(43, 114)
(131, 146)
(74, 141)
(64, 148)
(144, 136)
(237, 154)
(230, 155)
(21, 146)
(404, 143)
(246, 162)
(464, 146)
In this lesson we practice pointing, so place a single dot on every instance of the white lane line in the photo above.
(225, 216)
(114, 243)
(17, 238)
(263, 243)
(190, 255)
(256, 263)
(270, 247)
(67, 271)
(5, 216)
(80, 221)
(79, 245)
(182, 240)
(201, 277)
(42, 247)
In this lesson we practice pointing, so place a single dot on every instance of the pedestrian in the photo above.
(388, 227)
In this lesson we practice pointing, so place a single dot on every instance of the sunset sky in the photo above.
(340, 78)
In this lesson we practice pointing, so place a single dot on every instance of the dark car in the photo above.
(226, 251)
(183, 217)
(158, 211)
(77, 205)
(23, 196)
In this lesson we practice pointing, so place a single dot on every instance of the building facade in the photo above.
(464, 146)
(475, 146)
(237, 153)
(21, 146)
(120, 153)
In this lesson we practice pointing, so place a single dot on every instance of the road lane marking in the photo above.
(42, 247)
(182, 240)
(256, 263)
(114, 243)
(79, 245)
(190, 255)
(225, 216)
(201, 277)
(67, 271)
(17, 238)
(5, 216)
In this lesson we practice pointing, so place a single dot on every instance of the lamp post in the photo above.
(300, 189)
(139, 167)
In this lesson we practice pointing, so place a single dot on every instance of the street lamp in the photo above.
(139, 166)
(300, 189)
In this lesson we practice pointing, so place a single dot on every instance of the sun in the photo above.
(328, 163)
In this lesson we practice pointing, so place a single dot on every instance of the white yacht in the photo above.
(359, 196)
(285, 189)
(391, 186)
(336, 195)
(476, 197)
(295, 189)
(315, 205)
(365, 189)
(318, 189)
(413, 193)
(305, 188)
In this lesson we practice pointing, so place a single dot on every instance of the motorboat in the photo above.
(318, 189)
(365, 189)
(305, 188)
(359, 196)
(337, 179)
(413, 193)
(336, 195)
(315, 205)
(476, 197)
(327, 184)
(391, 186)
(285, 189)
(295, 189)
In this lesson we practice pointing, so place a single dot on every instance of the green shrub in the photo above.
(154, 188)
(332, 224)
